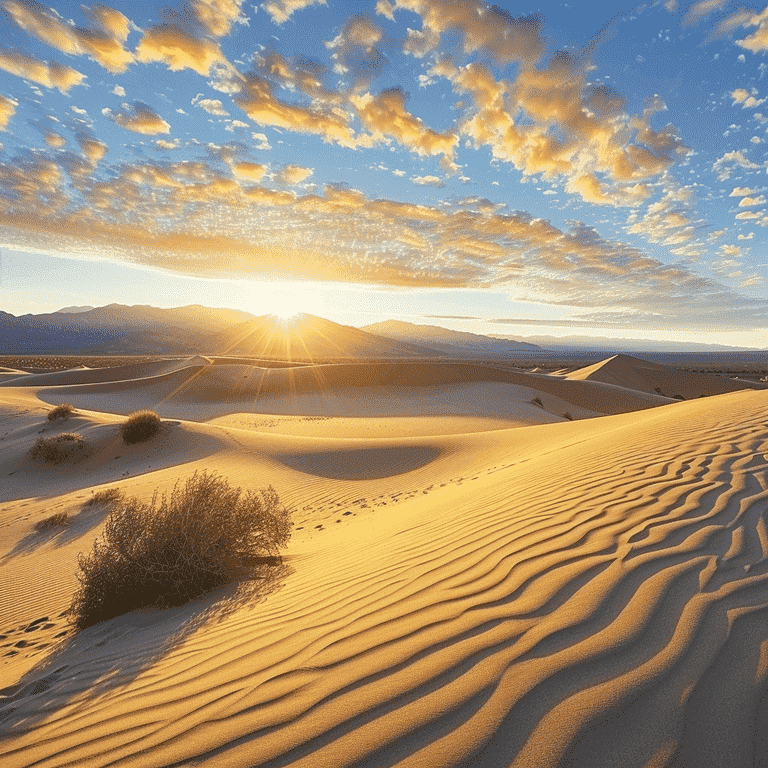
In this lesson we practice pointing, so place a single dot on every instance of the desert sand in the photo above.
(474, 578)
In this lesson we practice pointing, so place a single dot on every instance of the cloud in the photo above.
(386, 117)
(758, 40)
(256, 98)
(164, 144)
(249, 171)
(217, 16)
(282, 10)
(551, 121)
(702, 9)
(746, 202)
(742, 191)
(356, 49)
(101, 40)
(748, 215)
(725, 165)
(482, 28)
(161, 213)
(211, 106)
(93, 149)
(743, 97)
(179, 49)
(139, 118)
(428, 181)
(55, 140)
(118, 90)
(49, 74)
(294, 174)
(7, 111)
(261, 141)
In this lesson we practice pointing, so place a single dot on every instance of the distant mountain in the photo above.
(448, 342)
(307, 337)
(604, 343)
(74, 310)
(117, 329)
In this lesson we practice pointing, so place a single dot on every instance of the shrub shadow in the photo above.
(105, 657)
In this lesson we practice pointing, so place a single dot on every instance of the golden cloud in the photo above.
(92, 148)
(179, 49)
(7, 110)
(551, 121)
(139, 118)
(356, 49)
(55, 140)
(484, 28)
(258, 102)
(215, 217)
(48, 74)
(217, 16)
(282, 10)
(385, 116)
(294, 174)
(102, 42)
(758, 40)
(249, 171)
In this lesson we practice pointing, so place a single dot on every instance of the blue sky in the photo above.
(590, 168)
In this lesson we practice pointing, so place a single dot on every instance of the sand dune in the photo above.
(644, 376)
(557, 594)
(201, 391)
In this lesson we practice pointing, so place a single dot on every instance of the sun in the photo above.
(283, 300)
(285, 314)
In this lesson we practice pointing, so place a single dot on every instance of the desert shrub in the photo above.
(567, 415)
(58, 448)
(140, 426)
(59, 520)
(537, 401)
(60, 412)
(178, 547)
(106, 496)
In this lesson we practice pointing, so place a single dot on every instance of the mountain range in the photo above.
(117, 329)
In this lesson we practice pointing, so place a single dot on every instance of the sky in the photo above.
(590, 168)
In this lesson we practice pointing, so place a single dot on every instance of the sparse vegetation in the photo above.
(140, 427)
(58, 448)
(537, 401)
(105, 496)
(178, 547)
(60, 412)
(567, 415)
(59, 520)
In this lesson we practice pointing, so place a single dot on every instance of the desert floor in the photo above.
(487, 568)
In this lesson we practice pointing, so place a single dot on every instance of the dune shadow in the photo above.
(89, 664)
(362, 463)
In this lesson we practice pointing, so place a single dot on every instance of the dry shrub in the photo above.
(568, 415)
(537, 401)
(59, 520)
(106, 496)
(177, 548)
(60, 412)
(59, 448)
(140, 426)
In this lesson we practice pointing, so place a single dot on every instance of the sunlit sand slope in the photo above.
(574, 594)
(644, 376)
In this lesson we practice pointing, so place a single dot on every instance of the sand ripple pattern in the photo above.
(603, 601)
